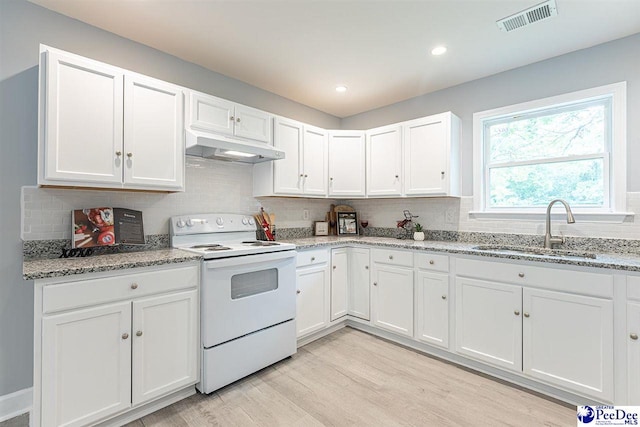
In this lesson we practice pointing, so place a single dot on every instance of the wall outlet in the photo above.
(305, 214)
(449, 216)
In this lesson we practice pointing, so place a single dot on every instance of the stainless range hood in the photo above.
(213, 146)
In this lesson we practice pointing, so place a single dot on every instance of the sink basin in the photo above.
(528, 250)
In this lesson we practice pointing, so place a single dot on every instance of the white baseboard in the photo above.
(17, 403)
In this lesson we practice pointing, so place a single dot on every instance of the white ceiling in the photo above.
(301, 49)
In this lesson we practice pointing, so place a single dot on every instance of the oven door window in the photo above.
(254, 283)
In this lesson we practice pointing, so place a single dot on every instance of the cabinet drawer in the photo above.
(434, 262)
(392, 257)
(633, 287)
(312, 257)
(578, 282)
(84, 293)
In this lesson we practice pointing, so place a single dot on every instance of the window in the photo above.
(571, 147)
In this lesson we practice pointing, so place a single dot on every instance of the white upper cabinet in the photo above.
(209, 113)
(81, 110)
(101, 126)
(303, 171)
(346, 164)
(384, 161)
(153, 134)
(431, 156)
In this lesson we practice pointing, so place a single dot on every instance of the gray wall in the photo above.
(603, 64)
(23, 26)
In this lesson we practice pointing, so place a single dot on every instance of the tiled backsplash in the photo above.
(216, 186)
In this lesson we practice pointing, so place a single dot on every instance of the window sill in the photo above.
(602, 217)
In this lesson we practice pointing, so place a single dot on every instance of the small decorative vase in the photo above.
(418, 235)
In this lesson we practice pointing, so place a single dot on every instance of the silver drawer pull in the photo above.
(520, 274)
(516, 312)
(633, 336)
(375, 283)
(134, 286)
(390, 256)
(444, 297)
(366, 267)
(125, 336)
(313, 258)
(431, 262)
(139, 333)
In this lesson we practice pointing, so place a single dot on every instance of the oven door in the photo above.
(245, 294)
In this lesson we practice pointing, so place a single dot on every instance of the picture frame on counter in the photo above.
(347, 223)
(321, 228)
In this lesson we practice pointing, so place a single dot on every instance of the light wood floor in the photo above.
(350, 378)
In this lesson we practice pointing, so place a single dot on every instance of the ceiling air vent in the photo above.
(528, 16)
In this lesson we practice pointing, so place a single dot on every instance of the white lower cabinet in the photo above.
(313, 292)
(568, 341)
(633, 352)
(392, 291)
(339, 283)
(488, 322)
(106, 345)
(359, 287)
(432, 308)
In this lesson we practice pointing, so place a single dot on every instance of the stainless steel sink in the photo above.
(529, 250)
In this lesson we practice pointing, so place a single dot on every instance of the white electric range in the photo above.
(248, 295)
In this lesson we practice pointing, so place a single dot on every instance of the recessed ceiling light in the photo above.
(438, 50)
(341, 88)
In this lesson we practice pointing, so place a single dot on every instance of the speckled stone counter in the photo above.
(46, 268)
(627, 262)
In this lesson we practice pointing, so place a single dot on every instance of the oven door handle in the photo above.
(249, 259)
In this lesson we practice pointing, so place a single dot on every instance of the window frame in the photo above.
(614, 166)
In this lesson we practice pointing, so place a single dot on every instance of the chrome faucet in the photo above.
(549, 240)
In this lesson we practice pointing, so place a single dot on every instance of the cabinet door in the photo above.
(312, 308)
(432, 308)
(384, 161)
(426, 156)
(346, 164)
(153, 134)
(392, 298)
(339, 283)
(314, 161)
(489, 322)
(165, 344)
(359, 283)
(633, 353)
(86, 365)
(253, 124)
(211, 114)
(81, 122)
(287, 172)
(568, 341)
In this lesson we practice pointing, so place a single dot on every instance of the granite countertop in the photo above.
(57, 267)
(627, 262)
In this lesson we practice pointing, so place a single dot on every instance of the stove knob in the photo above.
(219, 221)
(251, 221)
(189, 222)
(245, 221)
(180, 223)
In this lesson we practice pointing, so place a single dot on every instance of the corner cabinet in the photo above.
(384, 162)
(431, 156)
(346, 164)
(101, 126)
(109, 344)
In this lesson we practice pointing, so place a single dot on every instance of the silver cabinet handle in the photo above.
(118, 153)
(129, 155)
(431, 262)
(134, 286)
(633, 336)
(298, 291)
(444, 297)
(313, 258)
(520, 274)
(125, 336)
(334, 267)
(366, 267)
(301, 175)
(238, 120)
(331, 179)
(232, 118)
(397, 176)
(390, 256)
(375, 283)
(525, 314)
(442, 173)
(139, 333)
(305, 175)
(516, 312)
